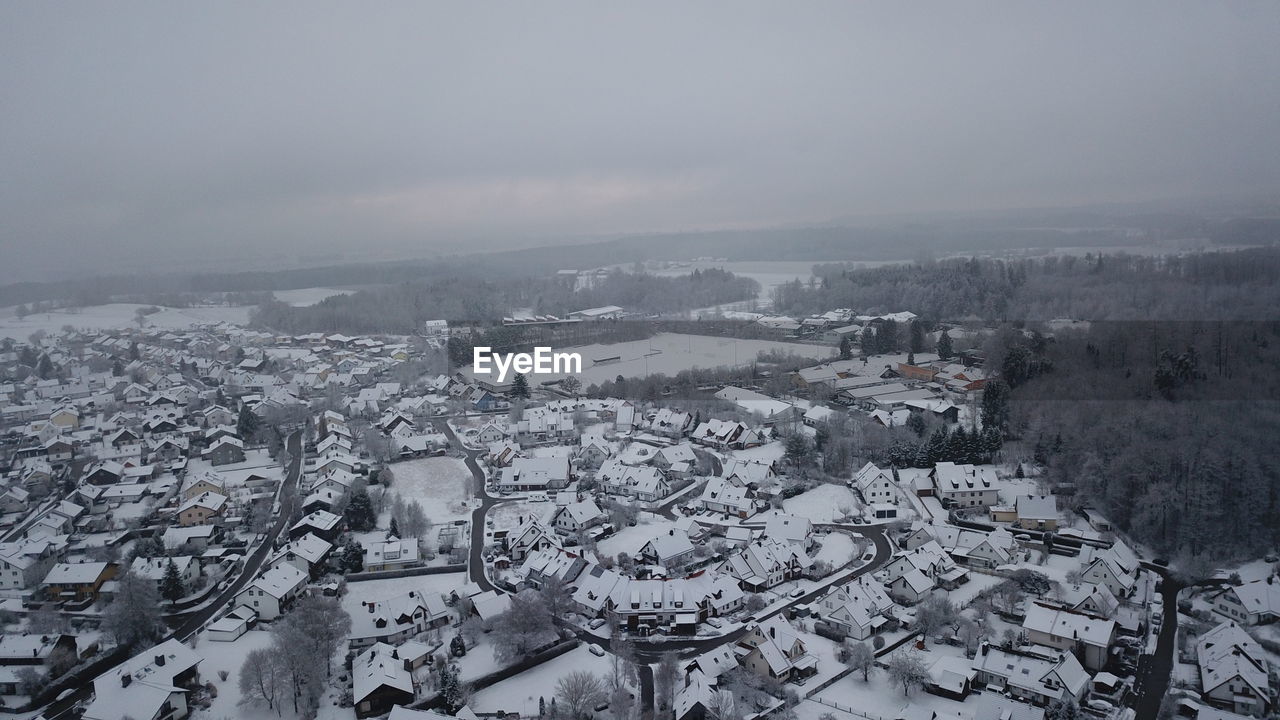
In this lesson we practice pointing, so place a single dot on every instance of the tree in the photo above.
(262, 677)
(44, 368)
(571, 385)
(520, 386)
(860, 657)
(306, 640)
(665, 678)
(556, 596)
(934, 614)
(917, 338)
(359, 512)
(995, 404)
(944, 349)
(352, 558)
(796, 449)
(172, 588)
(526, 626)
(30, 681)
(580, 691)
(1063, 709)
(133, 617)
(723, 705)
(846, 348)
(415, 522)
(908, 670)
(620, 703)
(247, 424)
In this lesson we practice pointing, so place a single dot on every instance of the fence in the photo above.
(844, 708)
(406, 572)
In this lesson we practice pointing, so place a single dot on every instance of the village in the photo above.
(224, 522)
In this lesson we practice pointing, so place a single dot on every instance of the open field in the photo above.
(441, 484)
(669, 353)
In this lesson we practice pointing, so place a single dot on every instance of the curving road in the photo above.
(648, 650)
(188, 624)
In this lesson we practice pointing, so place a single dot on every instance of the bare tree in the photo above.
(262, 678)
(908, 670)
(860, 657)
(581, 692)
(665, 677)
(133, 618)
(555, 594)
(525, 627)
(724, 706)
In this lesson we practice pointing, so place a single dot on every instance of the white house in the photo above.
(272, 593)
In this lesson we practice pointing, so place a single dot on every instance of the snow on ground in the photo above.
(509, 514)
(520, 693)
(118, 316)
(837, 549)
(823, 504)
(879, 697)
(229, 656)
(978, 582)
(441, 484)
(630, 539)
(308, 296)
(669, 353)
(769, 452)
(387, 588)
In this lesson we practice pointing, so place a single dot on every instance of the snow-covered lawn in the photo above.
(837, 549)
(823, 504)
(441, 484)
(367, 590)
(630, 539)
(511, 514)
(879, 697)
(520, 693)
(769, 452)
(229, 656)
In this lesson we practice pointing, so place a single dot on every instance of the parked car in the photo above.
(595, 650)
(715, 622)
(598, 622)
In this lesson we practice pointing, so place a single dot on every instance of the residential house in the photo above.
(395, 620)
(774, 649)
(1036, 676)
(645, 484)
(203, 509)
(1088, 636)
(1234, 671)
(77, 582)
(272, 593)
(577, 517)
(1253, 603)
(152, 685)
(875, 485)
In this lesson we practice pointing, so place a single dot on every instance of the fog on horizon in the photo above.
(145, 134)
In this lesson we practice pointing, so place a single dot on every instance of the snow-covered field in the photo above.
(879, 697)
(837, 549)
(229, 656)
(669, 353)
(117, 315)
(520, 693)
(441, 484)
(823, 504)
(630, 539)
(510, 514)
(308, 296)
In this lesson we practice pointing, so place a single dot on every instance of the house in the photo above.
(152, 685)
(670, 423)
(645, 484)
(1086, 597)
(199, 537)
(25, 563)
(726, 434)
(391, 554)
(858, 610)
(1116, 567)
(1088, 636)
(1036, 676)
(381, 679)
(1252, 603)
(397, 619)
(77, 582)
(1032, 512)
(875, 485)
(535, 474)
(724, 495)
(765, 563)
(203, 509)
(154, 569)
(913, 573)
(963, 486)
(1234, 672)
(205, 482)
(577, 517)
(307, 553)
(225, 451)
(669, 550)
(774, 649)
(321, 523)
(974, 548)
(528, 538)
(797, 531)
(272, 593)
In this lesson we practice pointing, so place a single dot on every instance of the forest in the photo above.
(466, 298)
(1205, 286)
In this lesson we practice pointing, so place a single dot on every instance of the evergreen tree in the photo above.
(45, 367)
(917, 337)
(247, 424)
(116, 368)
(520, 386)
(911, 358)
(995, 404)
(916, 424)
(133, 351)
(171, 586)
(846, 349)
(395, 528)
(359, 512)
(944, 346)
(352, 558)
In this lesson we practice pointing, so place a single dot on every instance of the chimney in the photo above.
(125, 680)
(160, 660)
(773, 633)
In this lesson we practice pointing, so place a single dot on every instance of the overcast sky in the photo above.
(148, 133)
